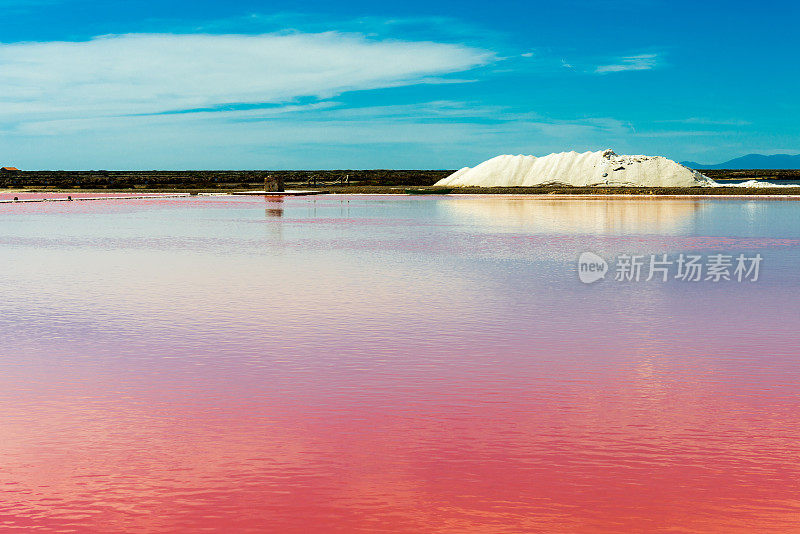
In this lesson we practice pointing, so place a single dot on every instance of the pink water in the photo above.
(394, 364)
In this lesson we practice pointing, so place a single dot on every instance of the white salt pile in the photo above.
(571, 168)
(754, 183)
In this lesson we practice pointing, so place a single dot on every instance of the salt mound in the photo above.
(755, 183)
(571, 168)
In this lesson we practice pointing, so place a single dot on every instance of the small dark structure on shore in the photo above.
(273, 183)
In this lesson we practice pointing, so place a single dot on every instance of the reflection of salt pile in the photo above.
(572, 168)
(607, 216)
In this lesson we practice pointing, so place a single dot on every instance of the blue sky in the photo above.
(242, 84)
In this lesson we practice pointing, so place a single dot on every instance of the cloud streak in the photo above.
(156, 73)
(329, 134)
(628, 63)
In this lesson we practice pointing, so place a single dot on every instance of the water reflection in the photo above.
(274, 206)
(390, 370)
(273, 214)
(570, 216)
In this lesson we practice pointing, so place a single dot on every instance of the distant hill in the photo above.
(752, 161)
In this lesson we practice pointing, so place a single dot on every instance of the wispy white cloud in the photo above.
(152, 73)
(637, 62)
(330, 134)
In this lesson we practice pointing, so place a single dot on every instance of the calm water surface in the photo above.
(394, 364)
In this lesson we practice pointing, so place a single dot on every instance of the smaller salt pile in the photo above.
(754, 183)
(578, 169)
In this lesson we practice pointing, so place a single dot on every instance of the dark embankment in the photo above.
(352, 181)
(211, 179)
(769, 175)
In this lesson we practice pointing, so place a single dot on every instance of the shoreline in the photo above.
(577, 192)
(343, 180)
(552, 192)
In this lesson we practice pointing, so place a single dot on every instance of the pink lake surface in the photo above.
(394, 364)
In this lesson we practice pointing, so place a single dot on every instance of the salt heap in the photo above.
(571, 168)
